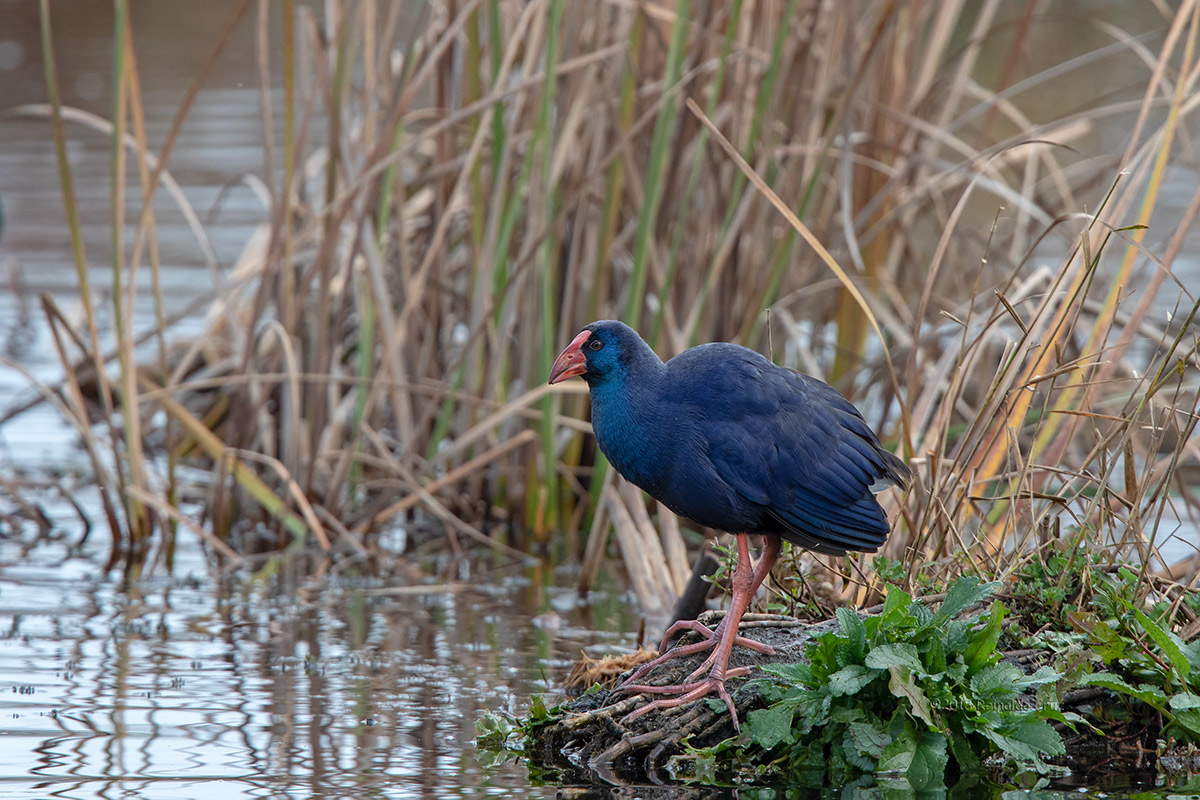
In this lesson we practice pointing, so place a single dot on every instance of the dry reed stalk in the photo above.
(674, 547)
(651, 546)
(461, 193)
(654, 595)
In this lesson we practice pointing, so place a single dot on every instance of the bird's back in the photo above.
(764, 449)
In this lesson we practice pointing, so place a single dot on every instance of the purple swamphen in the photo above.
(733, 442)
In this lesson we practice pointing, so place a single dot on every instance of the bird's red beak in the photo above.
(572, 361)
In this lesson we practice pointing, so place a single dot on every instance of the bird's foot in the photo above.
(713, 635)
(720, 641)
(711, 639)
(688, 692)
(694, 688)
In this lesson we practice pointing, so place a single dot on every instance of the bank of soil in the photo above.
(592, 739)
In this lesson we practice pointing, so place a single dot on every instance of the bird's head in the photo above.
(601, 349)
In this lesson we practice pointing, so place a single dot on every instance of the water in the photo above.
(196, 688)
(192, 686)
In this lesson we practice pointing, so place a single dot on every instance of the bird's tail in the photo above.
(895, 473)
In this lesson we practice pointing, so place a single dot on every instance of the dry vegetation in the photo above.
(918, 193)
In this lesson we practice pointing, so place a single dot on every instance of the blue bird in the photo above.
(726, 438)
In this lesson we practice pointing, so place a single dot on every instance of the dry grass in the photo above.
(459, 193)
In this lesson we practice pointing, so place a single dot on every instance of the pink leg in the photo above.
(712, 637)
(722, 640)
(771, 547)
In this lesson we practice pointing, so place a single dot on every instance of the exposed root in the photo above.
(618, 737)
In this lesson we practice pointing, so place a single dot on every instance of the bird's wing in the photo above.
(796, 446)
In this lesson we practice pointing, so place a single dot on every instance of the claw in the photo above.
(690, 692)
(720, 641)
(685, 625)
(711, 639)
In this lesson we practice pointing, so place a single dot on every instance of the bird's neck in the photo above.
(625, 416)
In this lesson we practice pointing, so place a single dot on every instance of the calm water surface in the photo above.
(196, 688)
(192, 686)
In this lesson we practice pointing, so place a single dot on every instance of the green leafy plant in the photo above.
(495, 730)
(1044, 588)
(1076, 575)
(906, 692)
(890, 571)
(1152, 664)
(500, 737)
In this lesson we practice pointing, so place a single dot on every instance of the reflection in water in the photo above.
(191, 689)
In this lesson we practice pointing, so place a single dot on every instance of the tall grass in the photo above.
(924, 212)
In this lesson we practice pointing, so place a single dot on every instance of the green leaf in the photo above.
(791, 673)
(1104, 640)
(902, 685)
(773, 690)
(847, 712)
(948, 696)
(957, 631)
(849, 680)
(1189, 718)
(894, 655)
(897, 755)
(1068, 718)
(1192, 651)
(704, 768)
(1168, 642)
(1043, 675)
(996, 682)
(809, 763)
(965, 754)
(964, 592)
(920, 756)
(895, 607)
(955, 673)
(868, 739)
(1148, 694)
(934, 658)
(1027, 741)
(1184, 700)
(1004, 682)
(769, 727)
(823, 657)
(981, 645)
(928, 766)
(855, 632)
(812, 706)
(493, 729)
(922, 617)
(1185, 709)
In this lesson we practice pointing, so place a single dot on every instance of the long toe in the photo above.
(688, 693)
(750, 644)
(691, 649)
(674, 652)
(686, 625)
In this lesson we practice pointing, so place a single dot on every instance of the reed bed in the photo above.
(900, 197)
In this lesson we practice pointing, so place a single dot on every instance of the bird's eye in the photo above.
(596, 344)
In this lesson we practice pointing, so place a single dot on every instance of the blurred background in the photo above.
(285, 279)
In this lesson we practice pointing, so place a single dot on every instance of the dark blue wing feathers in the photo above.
(792, 444)
(723, 436)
